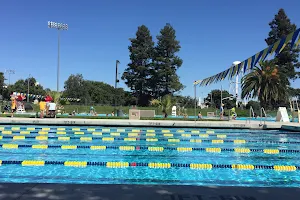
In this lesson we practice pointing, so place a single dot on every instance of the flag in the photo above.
(298, 42)
(275, 46)
(232, 69)
(287, 40)
(295, 35)
(268, 52)
(245, 66)
(252, 62)
(226, 73)
(238, 68)
(258, 56)
(249, 63)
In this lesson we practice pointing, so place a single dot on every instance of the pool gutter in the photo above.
(234, 124)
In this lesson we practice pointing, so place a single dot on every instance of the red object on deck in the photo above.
(137, 148)
(133, 164)
(48, 98)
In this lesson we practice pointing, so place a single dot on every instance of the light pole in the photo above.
(9, 72)
(28, 80)
(221, 96)
(58, 26)
(195, 90)
(116, 83)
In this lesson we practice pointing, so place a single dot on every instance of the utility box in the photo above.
(134, 114)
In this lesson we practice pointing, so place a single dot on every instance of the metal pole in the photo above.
(116, 84)
(58, 60)
(116, 80)
(195, 100)
(28, 90)
(221, 96)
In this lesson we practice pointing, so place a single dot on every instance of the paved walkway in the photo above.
(141, 192)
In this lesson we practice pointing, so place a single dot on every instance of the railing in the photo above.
(251, 115)
(262, 111)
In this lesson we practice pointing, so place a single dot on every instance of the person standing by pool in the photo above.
(221, 111)
(199, 115)
(13, 105)
(42, 108)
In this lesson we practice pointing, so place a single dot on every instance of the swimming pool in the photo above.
(110, 155)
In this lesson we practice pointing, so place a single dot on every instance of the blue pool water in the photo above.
(177, 150)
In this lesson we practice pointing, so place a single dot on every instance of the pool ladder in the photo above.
(251, 115)
(262, 111)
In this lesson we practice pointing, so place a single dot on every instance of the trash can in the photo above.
(120, 113)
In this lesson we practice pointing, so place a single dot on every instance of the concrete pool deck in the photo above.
(11, 191)
(149, 123)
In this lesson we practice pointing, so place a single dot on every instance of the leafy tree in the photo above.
(254, 104)
(129, 99)
(265, 82)
(216, 96)
(1, 83)
(165, 64)
(186, 102)
(74, 87)
(287, 60)
(22, 87)
(136, 75)
(294, 92)
(93, 92)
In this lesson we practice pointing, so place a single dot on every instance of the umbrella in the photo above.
(48, 98)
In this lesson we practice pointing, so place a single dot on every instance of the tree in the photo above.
(74, 87)
(2, 83)
(94, 92)
(55, 96)
(254, 104)
(165, 64)
(265, 82)
(22, 87)
(136, 75)
(287, 60)
(216, 99)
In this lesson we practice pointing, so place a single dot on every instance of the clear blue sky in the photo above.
(212, 34)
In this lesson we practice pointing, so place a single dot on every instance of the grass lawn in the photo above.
(109, 109)
(190, 111)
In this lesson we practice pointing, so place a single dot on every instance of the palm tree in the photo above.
(55, 96)
(165, 103)
(265, 82)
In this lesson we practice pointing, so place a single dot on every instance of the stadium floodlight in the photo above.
(58, 26)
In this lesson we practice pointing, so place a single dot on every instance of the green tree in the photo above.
(136, 75)
(2, 83)
(254, 104)
(216, 99)
(164, 79)
(265, 82)
(74, 87)
(287, 60)
(22, 87)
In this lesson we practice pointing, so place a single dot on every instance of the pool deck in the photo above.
(148, 123)
(11, 191)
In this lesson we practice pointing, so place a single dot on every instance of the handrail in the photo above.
(251, 114)
(262, 111)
